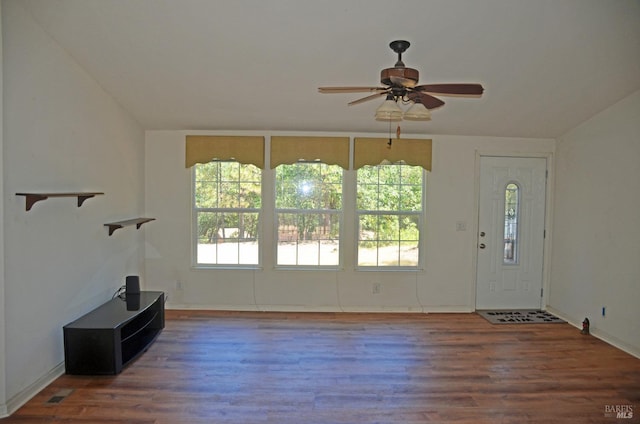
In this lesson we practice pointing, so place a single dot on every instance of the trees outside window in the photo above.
(227, 201)
(308, 211)
(389, 209)
(308, 215)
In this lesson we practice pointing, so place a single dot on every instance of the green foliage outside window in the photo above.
(389, 203)
(309, 210)
(390, 188)
(308, 202)
(227, 196)
(310, 187)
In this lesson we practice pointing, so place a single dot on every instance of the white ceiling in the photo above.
(546, 65)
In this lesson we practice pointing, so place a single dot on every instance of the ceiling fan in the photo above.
(400, 84)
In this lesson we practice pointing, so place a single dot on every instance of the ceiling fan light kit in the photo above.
(389, 110)
(417, 112)
(400, 84)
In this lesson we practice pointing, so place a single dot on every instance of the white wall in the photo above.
(62, 133)
(446, 283)
(3, 395)
(596, 240)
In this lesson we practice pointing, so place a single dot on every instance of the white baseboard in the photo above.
(602, 335)
(451, 309)
(295, 308)
(30, 391)
(194, 307)
(613, 341)
(330, 308)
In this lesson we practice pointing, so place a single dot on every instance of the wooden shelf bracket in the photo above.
(120, 224)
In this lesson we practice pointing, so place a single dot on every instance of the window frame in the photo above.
(422, 221)
(338, 212)
(194, 223)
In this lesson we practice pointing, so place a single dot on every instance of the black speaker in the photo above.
(133, 285)
(133, 302)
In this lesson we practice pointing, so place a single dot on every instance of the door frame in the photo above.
(548, 221)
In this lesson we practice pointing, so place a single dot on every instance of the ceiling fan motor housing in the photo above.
(403, 74)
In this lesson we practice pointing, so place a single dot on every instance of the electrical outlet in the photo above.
(376, 288)
(178, 285)
(461, 226)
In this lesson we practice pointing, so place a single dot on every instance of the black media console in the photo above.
(114, 334)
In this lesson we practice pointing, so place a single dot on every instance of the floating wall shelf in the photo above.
(32, 198)
(119, 224)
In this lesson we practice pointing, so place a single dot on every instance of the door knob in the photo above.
(481, 233)
(482, 246)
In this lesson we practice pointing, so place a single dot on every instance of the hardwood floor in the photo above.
(236, 367)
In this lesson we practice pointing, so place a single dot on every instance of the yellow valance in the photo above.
(329, 150)
(373, 151)
(205, 148)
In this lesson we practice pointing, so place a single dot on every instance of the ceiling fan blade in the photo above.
(366, 99)
(427, 100)
(451, 89)
(329, 90)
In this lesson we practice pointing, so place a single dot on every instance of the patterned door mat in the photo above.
(520, 316)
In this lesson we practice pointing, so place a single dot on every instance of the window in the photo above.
(227, 200)
(309, 211)
(304, 201)
(511, 212)
(389, 209)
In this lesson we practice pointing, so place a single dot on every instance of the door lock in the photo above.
(482, 246)
(482, 233)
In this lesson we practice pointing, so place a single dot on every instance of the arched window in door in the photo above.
(511, 217)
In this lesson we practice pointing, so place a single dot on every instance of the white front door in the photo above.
(511, 232)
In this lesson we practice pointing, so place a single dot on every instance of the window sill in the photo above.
(204, 267)
(388, 269)
(307, 268)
